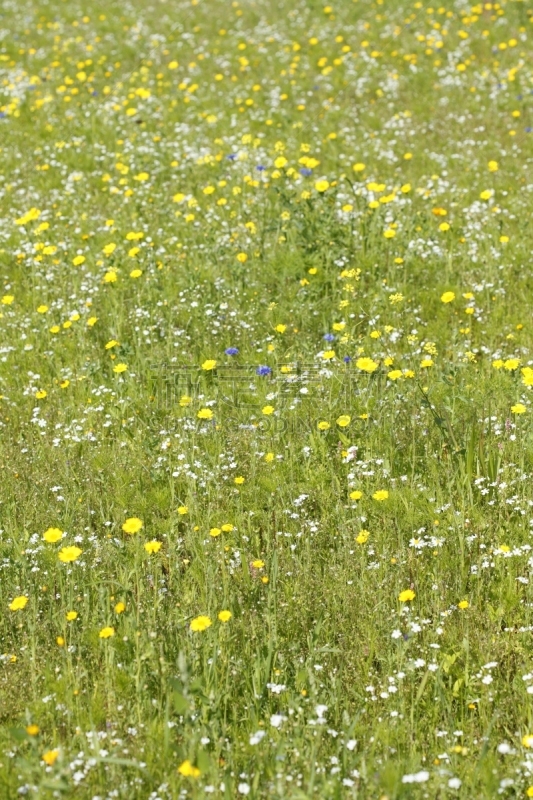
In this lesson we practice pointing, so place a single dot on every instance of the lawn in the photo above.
(266, 374)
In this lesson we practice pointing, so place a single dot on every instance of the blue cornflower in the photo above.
(306, 172)
(232, 351)
(329, 337)
(263, 371)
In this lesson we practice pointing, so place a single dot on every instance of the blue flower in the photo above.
(329, 337)
(232, 351)
(232, 156)
(306, 172)
(260, 168)
(263, 371)
(347, 359)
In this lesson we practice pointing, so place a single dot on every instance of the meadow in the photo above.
(266, 373)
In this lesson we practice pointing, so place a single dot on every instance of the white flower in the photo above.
(351, 744)
(416, 777)
(256, 737)
(276, 720)
(243, 788)
(455, 783)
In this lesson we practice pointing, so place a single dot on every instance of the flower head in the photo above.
(132, 525)
(52, 535)
(200, 623)
(106, 633)
(406, 596)
(18, 603)
(68, 554)
(152, 547)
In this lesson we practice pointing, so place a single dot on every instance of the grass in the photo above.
(265, 377)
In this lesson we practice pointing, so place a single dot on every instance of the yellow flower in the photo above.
(267, 410)
(7, 299)
(463, 604)
(68, 554)
(78, 260)
(281, 328)
(112, 343)
(205, 413)
(356, 495)
(214, 532)
(152, 547)
(511, 364)
(427, 362)
(239, 480)
(52, 535)
(389, 233)
(493, 166)
(322, 186)
(60, 641)
(71, 615)
(328, 355)
(209, 364)
(529, 791)
(50, 757)
(200, 623)
(486, 194)
(366, 365)
(323, 425)
(527, 376)
(188, 770)
(225, 616)
(258, 564)
(106, 633)
(394, 374)
(92, 321)
(406, 596)
(120, 608)
(518, 408)
(109, 249)
(183, 510)
(362, 537)
(444, 226)
(42, 309)
(132, 525)
(358, 167)
(344, 420)
(242, 258)
(18, 603)
(136, 273)
(381, 494)
(527, 740)
(269, 457)
(448, 297)
(32, 730)
(41, 394)
(118, 368)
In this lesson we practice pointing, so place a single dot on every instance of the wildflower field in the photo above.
(266, 374)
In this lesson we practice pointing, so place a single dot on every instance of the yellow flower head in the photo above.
(200, 623)
(518, 408)
(118, 368)
(323, 425)
(406, 596)
(183, 510)
(225, 616)
(356, 495)
(50, 757)
(132, 525)
(71, 615)
(343, 421)
(68, 554)
(52, 535)
(366, 365)
(447, 297)
(106, 633)
(152, 547)
(267, 410)
(18, 603)
(463, 605)
(380, 495)
(205, 413)
(188, 770)
(362, 537)
(120, 608)
(209, 364)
